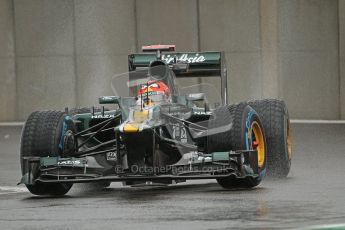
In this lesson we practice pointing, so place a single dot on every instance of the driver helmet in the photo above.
(154, 88)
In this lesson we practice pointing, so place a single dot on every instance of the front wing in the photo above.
(233, 164)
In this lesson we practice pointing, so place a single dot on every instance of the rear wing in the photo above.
(200, 64)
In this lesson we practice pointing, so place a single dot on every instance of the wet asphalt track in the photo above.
(313, 194)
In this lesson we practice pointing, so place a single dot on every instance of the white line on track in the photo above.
(16, 123)
(323, 226)
(299, 121)
(12, 189)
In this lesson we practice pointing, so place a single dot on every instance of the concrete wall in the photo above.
(308, 57)
(7, 63)
(234, 27)
(175, 22)
(63, 53)
(341, 24)
(104, 36)
(44, 55)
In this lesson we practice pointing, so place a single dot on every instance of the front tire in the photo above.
(41, 137)
(246, 133)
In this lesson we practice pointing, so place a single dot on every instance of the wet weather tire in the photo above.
(276, 122)
(242, 117)
(41, 136)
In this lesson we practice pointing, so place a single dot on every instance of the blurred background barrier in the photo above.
(57, 53)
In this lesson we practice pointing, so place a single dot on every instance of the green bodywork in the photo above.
(58, 161)
(83, 120)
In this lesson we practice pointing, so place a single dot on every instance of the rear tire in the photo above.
(276, 121)
(243, 118)
(41, 137)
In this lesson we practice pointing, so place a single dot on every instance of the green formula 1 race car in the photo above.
(157, 129)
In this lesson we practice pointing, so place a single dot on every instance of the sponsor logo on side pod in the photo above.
(70, 162)
(103, 116)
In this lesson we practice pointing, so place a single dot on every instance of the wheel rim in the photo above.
(289, 140)
(258, 143)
